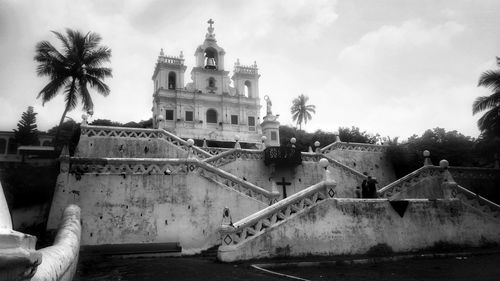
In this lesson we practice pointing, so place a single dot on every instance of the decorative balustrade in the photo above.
(409, 180)
(156, 166)
(150, 166)
(354, 147)
(476, 201)
(246, 69)
(474, 173)
(215, 150)
(123, 132)
(315, 157)
(171, 60)
(222, 177)
(257, 223)
(234, 154)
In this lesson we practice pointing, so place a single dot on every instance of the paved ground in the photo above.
(478, 267)
(468, 268)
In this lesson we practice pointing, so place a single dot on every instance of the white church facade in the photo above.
(209, 107)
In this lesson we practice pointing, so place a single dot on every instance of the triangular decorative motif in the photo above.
(400, 206)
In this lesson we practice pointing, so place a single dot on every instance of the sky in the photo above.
(392, 67)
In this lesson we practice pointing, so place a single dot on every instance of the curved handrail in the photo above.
(354, 146)
(59, 261)
(256, 223)
(226, 156)
(316, 157)
(476, 200)
(197, 151)
(165, 166)
(398, 184)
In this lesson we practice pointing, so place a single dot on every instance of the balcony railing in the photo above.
(282, 156)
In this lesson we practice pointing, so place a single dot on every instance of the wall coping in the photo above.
(190, 164)
(354, 146)
(126, 132)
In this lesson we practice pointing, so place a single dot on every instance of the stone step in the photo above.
(132, 249)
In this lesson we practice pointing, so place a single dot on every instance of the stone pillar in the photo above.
(449, 186)
(270, 129)
(427, 158)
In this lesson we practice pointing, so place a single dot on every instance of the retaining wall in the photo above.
(142, 208)
(357, 226)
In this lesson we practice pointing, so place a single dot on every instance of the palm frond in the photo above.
(51, 89)
(486, 102)
(100, 72)
(71, 96)
(97, 57)
(490, 121)
(96, 83)
(490, 79)
(86, 98)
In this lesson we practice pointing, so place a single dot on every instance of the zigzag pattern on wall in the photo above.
(255, 224)
(167, 167)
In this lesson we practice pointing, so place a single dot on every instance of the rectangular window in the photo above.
(169, 114)
(251, 121)
(234, 119)
(189, 116)
(274, 136)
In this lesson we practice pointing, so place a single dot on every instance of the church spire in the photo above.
(210, 34)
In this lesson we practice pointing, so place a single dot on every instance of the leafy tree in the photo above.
(71, 70)
(355, 135)
(489, 123)
(106, 122)
(27, 133)
(301, 111)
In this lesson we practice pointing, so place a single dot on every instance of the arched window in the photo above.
(248, 88)
(211, 116)
(211, 82)
(171, 80)
(3, 146)
(211, 58)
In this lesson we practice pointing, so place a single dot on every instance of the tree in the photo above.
(489, 123)
(301, 111)
(355, 135)
(27, 133)
(71, 70)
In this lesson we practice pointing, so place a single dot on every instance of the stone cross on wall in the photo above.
(283, 183)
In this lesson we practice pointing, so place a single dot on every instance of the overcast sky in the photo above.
(392, 67)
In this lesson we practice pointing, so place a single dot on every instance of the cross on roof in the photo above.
(210, 21)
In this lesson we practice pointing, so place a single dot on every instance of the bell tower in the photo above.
(246, 80)
(169, 72)
(209, 75)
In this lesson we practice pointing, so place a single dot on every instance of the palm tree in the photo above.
(301, 111)
(78, 64)
(489, 123)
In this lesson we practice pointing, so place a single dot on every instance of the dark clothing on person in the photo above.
(372, 188)
(364, 189)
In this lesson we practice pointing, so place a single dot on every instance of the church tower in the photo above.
(209, 107)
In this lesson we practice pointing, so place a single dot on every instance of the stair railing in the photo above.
(255, 224)
(232, 155)
(169, 166)
(124, 132)
(408, 180)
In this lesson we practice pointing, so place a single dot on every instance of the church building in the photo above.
(209, 107)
